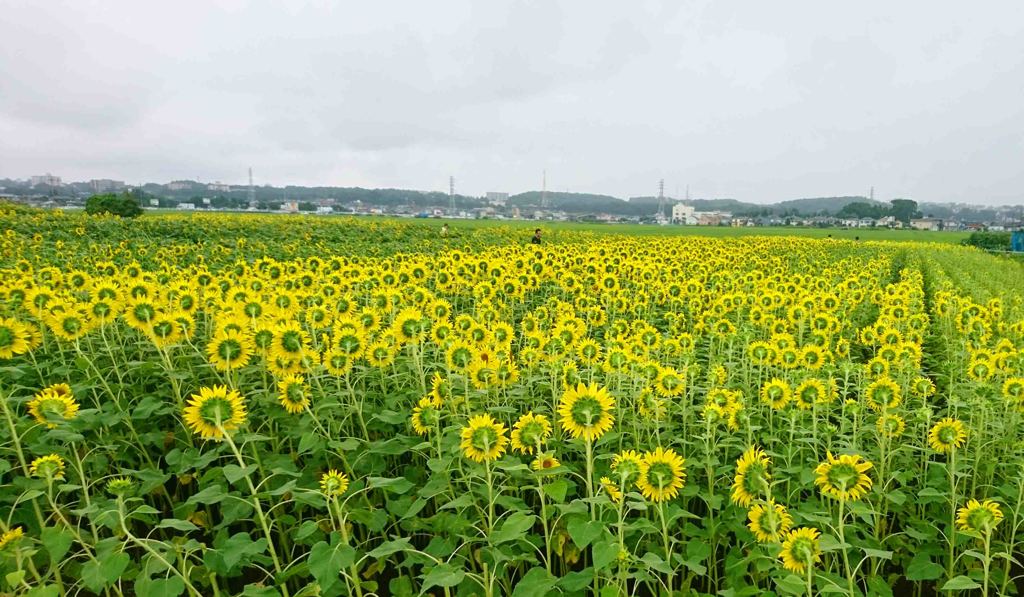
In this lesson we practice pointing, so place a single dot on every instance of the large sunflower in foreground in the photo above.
(483, 439)
(843, 477)
(212, 407)
(800, 550)
(587, 411)
(662, 474)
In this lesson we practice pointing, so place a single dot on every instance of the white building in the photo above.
(186, 206)
(290, 206)
(683, 214)
(926, 224)
(218, 187)
(498, 199)
(179, 185)
(46, 180)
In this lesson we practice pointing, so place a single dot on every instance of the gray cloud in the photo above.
(755, 101)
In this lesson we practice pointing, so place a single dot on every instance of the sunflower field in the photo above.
(295, 406)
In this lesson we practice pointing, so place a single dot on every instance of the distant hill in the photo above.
(819, 205)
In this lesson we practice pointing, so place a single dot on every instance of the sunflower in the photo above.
(800, 550)
(979, 517)
(947, 435)
(53, 405)
(627, 465)
(586, 411)
(214, 411)
(11, 537)
(662, 474)
(120, 487)
(293, 394)
(230, 350)
(483, 439)
(49, 467)
(1013, 390)
(769, 521)
(545, 462)
(333, 483)
(752, 477)
(13, 338)
(530, 432)
(761, 353)
(460, 355)
(843, 477)
(883, 394)
(611, 489)
(776, 394)
(440, 387)
(808, 393)
(290, 342)
(650, 405)
(669, 382)
(410, 325)
(426, 414)
(890, 425)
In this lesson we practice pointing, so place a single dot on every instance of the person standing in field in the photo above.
(444, 231)
(536, 237)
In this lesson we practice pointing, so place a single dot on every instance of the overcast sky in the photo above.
(759, 101)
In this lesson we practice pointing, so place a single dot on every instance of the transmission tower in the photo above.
(451, 195)
(252, 190)
(544, 191)
(661, 199)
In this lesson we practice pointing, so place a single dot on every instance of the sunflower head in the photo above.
(800, 550)
(769, 521)
(947, 435)
(483, 439)
(776, 394)
(11, 538)
(333, 483)
(215, 411)
(530, 432)
(626, 467)
(752, 476)
(426, 415)
(586, 411)
(662, 474)
(49, 467)
(843, 477)
(883, 394)
(611, 489)
(293, 394)
(890, 425)
(979, 517)
(544, 462)
(53, 405)
(120, 487)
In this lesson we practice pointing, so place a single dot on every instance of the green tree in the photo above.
(904, 210)
(125, 205)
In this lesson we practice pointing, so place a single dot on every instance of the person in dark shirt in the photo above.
(536, 237)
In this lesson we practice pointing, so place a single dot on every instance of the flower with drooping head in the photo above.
(426, 414)
(662, 474)
(586, 411)
(947, 435)
(49, 467)
(883, 394)
(890, 425)
(53, 405)
(752, 478)
(843, 477)
(11, 538)
(483, 439)
(611, 489)
(545, 462)
(769, 521)
(530, 432)
(293, 393)
(333, 483)
(776, 393)
(980, 517)
(1013, 390)
(800, 550)
(214, 411)
(809, 392)
(120, 487)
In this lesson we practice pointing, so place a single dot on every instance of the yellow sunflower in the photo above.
(800, 550)
(11, 537)
(979, 517)
(53, 405)
(49, 467)
(230, 350)
(545, 462)
(333, 483)
(662, 474)
(611, 489)
(426, 414)
(769, 521)
(776, 394)
(483, 439)
(212, 407)
(293, 393)
(752, 477)
(626, 466)
(586, 411)
(883, 394)
(891, 425)
(843, 477)
(530, 432)
(947, 435)
(808, 393)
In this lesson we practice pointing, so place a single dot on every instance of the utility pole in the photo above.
(661, 200)
(544, 190)
(252, 190)
(451, 195)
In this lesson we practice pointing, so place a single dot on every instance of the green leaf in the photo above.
(238, 546)
(178, 525)
(605, 552)
(390, 547)
(44, 591)
(325, 562)
(463, 501)
(878, 553)
(397, 485)
(310, 442)
(14, 578)
(791, 585)
(57, 541)
(535, 583)
(233, 472)
(514, 527)
(213, 494)
(160, 587)
(959, 583)
(922, 568)
(584, 531)
(442, 575)
(101, 573)
(556, 490)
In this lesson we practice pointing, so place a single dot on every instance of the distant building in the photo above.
(324, 209)
(105, 185)
(498, 199)
(179, 185)
(290, 206)
(187, 206)
(683, 214)
(926, 224)
(218, 187)
(712, 218)
(47, 179)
